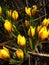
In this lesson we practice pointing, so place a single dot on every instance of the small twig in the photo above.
(39, 17)
(12, 48)
(44, 7)
(35, 61)
(27, 3)
(38, 54)
(29, 59)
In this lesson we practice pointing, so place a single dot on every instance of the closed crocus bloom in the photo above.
(31, 31)
(8, 25)
(0, 10)
(15, 15)
(4, 54)
(9, 13)
(27, 23)
(45, 22)
(19, 54)
(21, 41)
(34, 9)
(28, 11)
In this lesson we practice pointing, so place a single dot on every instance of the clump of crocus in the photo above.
(8, 25)
(19, 54)
(21, 40)
(31, 31)
(15, 15)
(4, 54)
(30, 11)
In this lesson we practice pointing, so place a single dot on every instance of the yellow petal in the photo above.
(8, 25)
(22, 41)
(38, 28)
(27, 23)
(28, 11)
(4, 54)
(34, 9)
(44, 34)
(6, 49)
(18, 38)
(45, 22)
(42, 29)
(0, 10)
(15, 15)
(31, 31)
(9, 13)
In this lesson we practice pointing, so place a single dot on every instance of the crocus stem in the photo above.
(2, 18)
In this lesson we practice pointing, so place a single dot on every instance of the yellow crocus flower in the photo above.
(28, 11)
(45, 22)
(21, 40)
(43, 33)
(8, 25)
(4, 54)
(18, 39)
(31, 31)
(19, 54)
(27, 23)
(9, 13)
(15, 15)
(34, 9)
(38, 28)
(42, 29)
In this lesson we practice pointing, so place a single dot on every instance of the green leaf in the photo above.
(16, 32)
(40, 44)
